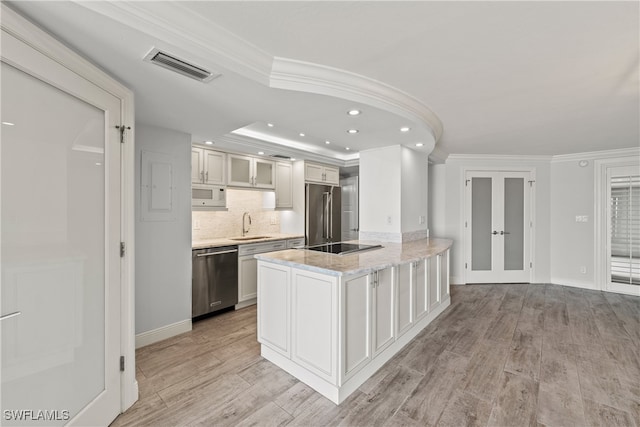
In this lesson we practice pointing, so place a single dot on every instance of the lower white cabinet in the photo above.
(443, 278)
(421, 280)
(383, 309)
(314, 322)
(356, 292)
(433, 290)
(405, 292)
(274, 315)
(247, 268)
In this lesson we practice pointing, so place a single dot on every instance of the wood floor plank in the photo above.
(464, 409)
(515, 403)
(270, 415)
(557, 407)
(502, 327)
(485, 369)
(524, 355)
(383, 402)
(598, 414)
(429, 398)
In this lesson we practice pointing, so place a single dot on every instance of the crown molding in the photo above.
(499, 157)
(304, 76)
(596, 155)
(438, 155)
(246, 144)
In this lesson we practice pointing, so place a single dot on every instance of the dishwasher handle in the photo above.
(218, 253)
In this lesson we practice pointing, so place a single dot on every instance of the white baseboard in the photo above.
(246, 303)
(162, 333)
(575, 284)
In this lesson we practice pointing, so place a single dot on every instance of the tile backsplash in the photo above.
(218, 224)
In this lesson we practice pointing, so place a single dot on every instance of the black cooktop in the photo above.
(342, 248)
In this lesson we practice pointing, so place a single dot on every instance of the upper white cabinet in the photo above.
(253, 172)
(321, 173)
(284, 186)
(207, 166)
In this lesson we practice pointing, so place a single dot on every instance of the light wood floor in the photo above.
(500, 355)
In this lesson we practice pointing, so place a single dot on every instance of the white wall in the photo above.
(453, 188)
(163, 248)
(380, 196)
(414, 189)
(437, 212)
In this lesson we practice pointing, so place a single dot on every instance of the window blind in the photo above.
(625, 229)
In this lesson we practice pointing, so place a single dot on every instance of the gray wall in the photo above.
(163, 248)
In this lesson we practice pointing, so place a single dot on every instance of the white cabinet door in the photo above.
(274, 300)
(240, 171)
(314, 322)
(264, 175)
(331, 175)
(356, 324)
(405, 296)
(214, 167)
(247, 278)
(313, 172)
(419, 276)
(444, 275)
(284, 188)
(433, 288)
(197, 170)
(383, 309)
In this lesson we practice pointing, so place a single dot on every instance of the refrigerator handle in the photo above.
(327, 212)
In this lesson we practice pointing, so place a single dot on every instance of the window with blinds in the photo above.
(625, 229)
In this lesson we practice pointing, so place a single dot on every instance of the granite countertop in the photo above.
(363, 262)
(228, 241)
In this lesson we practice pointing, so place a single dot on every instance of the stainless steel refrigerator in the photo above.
(323, 206)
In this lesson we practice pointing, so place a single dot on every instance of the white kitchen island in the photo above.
(333, 320)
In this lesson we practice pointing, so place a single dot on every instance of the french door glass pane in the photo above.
(53, 249)
(625, 229)
(481, 224)
(513, 223)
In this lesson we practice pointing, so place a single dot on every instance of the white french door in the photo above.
(497, 226)
(60, 232)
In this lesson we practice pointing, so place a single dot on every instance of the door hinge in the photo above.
(530, 183)
(465, 265)
(121, 363)
(465, 224)
(466, 183)
(530, 265)
(122, 129)
(121, 249)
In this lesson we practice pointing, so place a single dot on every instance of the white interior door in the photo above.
(60, 233)
(623, 230)
(498, 227)
(350, 225)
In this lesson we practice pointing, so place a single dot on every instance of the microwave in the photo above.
(208, 196)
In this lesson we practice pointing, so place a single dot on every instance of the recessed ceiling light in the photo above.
(419, 144)
(98, 164)
(270, 125)
(353, 112)
(347, 148)
(405, 129)
(8, 123)
(292, 159)
(352, 131)
(260, 152)
(208, 142)
(327, 142)
(301, 134)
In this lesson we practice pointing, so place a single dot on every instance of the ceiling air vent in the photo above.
(280, 156)
(170, 62)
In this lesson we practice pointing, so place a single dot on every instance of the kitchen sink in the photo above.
(250, 238)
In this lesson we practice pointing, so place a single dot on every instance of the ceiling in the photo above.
(515, 78)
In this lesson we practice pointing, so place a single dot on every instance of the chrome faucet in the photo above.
(245, 229)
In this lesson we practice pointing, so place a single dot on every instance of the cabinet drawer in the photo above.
(257, 248)
(294, 243)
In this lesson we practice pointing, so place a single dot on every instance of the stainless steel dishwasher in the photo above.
(214, 279)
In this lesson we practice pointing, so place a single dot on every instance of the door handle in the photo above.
(494, 232)
(504, 232)
(10, 315)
